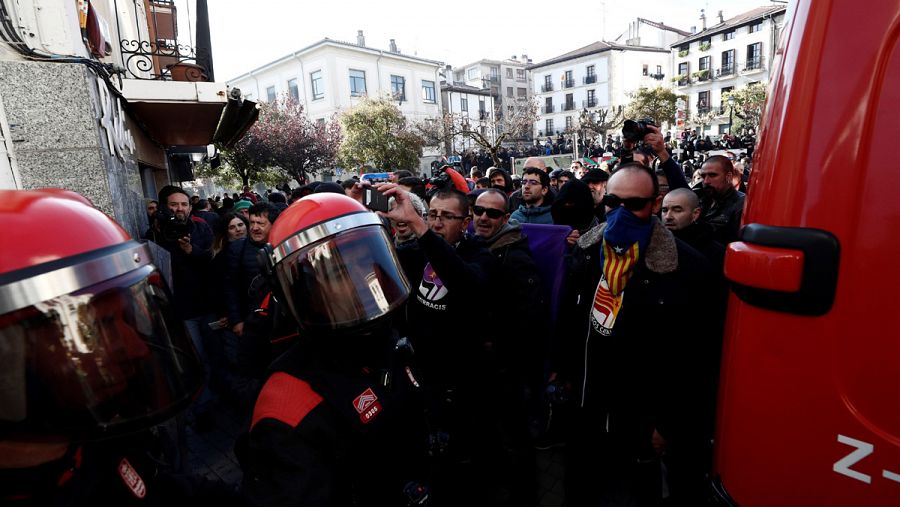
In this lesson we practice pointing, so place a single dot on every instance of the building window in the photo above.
(568, 82)
(270, 94)
(458, 77)
(548, 84)
(549, 127)
(591, 71)
(646, 70)
(464, 104)
(293, 89)
(568, 122)
(548, 105)
(520, 74)
(495, 73)
(754, 56)
(315, 80)
(729, 35)
(591, 99)
(703, 102)
(428, 91)
(570, 102)
(509, 73)
(398, 87)
(472, 73)
(509, 92)
(704, 63)
(755, 27)
(522, 93)
(659, 70)
(727, 63)
(683, 72)
(357, 83)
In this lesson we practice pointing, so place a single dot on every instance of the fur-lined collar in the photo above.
(662, 253)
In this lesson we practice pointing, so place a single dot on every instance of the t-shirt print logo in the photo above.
(432, 288)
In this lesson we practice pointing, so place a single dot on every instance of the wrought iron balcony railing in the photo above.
(547, 88)
(568, 83)
(548, 109)
(160, 55)
(590, 79)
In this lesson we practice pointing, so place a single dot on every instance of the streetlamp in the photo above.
(730, 112)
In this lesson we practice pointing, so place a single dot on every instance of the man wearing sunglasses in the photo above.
(636, 364)
(535, 188)
(516, 344)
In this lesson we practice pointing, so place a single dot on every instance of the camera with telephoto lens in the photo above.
(170, 226)
(636, 130)
(439, 181)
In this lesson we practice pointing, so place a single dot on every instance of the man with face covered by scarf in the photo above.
(638, 369)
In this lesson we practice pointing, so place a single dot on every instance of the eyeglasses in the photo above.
(530, 182)
(630, 203)
(443, 217)
(491, 212)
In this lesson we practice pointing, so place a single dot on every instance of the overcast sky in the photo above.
(247, 35)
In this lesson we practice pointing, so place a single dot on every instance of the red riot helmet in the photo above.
(89, 345)
(334, 264)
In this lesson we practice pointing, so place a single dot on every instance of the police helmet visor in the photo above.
(344, 280)
(108, 358)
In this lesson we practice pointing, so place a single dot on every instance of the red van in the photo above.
(809, 403)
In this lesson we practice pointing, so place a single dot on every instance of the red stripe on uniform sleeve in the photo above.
(285, 398)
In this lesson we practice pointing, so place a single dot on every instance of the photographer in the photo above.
(645, 133)
(189, 241)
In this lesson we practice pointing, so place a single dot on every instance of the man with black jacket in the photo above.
(516, 350)
(636, 365)
(247, 307)
(450, 274)
(191, 259)
(723, 206)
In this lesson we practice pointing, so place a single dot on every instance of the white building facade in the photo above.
(472, 106)
(600, 75)
(332, 76)
(506, 80)
(724, 57)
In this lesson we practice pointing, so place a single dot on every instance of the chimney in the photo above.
(703, 19)
(693, 29)
(721, 17)
(394, 47)
(360, 40)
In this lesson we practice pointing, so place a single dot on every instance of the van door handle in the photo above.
(786, 269)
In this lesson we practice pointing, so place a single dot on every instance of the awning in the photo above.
(176, 113)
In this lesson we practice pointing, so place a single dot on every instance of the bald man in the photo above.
(681, 214)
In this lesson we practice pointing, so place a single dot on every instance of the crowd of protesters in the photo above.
(518, 356)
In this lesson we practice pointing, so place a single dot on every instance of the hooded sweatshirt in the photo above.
(574, 206)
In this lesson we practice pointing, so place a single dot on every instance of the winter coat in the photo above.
(241, 272)
(654, 370)
(723, 214)
(190, 272)
(536, 215)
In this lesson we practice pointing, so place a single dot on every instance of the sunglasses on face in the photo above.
(491, 212)
(630, 203)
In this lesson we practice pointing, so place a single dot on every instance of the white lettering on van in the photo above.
(863, 449)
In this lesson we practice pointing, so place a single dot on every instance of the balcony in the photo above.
(589, 103)
(726, 71)
(701, 75)
(547, 87)
(658, 77)
(548, 109)
(162, 56)
(681, 80)
(568, 106)
(568, 83)
(589, 79)
(753, 64)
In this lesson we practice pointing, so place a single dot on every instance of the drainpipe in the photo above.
(303, 80)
